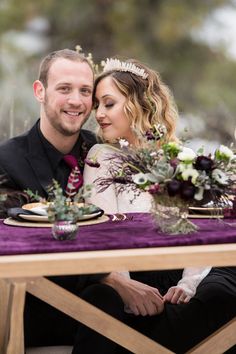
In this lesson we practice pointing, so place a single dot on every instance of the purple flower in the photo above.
(204, 163)
(187, 190)
(154, 188)
(173, 187)
(174, 163)
(92, 162)
(149, 135)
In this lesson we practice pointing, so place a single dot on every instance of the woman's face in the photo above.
(110, 113)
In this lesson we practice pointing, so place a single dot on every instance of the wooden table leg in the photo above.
(4, 299)
(220, 341)
(94, 318)
(15, 321)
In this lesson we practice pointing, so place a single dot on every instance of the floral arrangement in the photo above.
(172, 173)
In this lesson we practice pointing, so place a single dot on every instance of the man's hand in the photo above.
(176, 295)
(140, 298)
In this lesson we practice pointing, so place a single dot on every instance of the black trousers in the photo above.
(46, 326)
(182, 326)
(179, 327)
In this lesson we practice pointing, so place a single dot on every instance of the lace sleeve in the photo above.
(191, 279)
(107, 199)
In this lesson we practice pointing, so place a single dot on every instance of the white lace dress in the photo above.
(112, 202)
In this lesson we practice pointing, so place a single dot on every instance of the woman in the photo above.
(129, 99)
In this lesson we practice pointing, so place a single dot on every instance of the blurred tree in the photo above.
(158, 32)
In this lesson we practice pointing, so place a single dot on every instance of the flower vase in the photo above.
(171, 216)
(65, 230)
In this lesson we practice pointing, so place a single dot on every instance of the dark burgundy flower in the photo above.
(173, 187)
(149, 135)
(204, 163)
(154, 189)
(174, 163)
(187, 190)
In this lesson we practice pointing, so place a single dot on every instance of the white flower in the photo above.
(186, 155)
(123, 143)
(140, 178)
(190, 173)
(184, 166)
(226, 152)
(153, 153)
(219, 176)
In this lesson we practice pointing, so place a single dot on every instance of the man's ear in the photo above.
(39, 91)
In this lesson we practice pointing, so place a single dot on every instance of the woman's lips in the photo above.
(104, 125)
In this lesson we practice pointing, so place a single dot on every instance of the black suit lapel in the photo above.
(38, 160)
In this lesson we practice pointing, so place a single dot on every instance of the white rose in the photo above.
(224, 150)
(186, 154)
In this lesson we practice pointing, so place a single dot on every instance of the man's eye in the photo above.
(64, 89)
(86, 91)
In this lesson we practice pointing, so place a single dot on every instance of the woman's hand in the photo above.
(176, 295)
(140, 298)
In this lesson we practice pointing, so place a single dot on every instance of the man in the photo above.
(64, 91)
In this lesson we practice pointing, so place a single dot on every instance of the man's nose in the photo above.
(75, 98)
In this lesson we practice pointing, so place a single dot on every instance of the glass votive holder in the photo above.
(65, 230)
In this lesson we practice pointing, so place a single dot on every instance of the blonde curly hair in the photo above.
(149, 101)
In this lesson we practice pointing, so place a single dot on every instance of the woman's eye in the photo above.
(109, 105)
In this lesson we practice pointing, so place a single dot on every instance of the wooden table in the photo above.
(21, 273)
(21, 270)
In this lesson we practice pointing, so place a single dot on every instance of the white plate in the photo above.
(44, 218)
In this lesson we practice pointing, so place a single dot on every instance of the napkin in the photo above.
(15, 212)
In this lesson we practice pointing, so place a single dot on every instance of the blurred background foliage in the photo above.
(166, 34)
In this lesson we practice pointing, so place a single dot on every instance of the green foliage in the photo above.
(61, 207)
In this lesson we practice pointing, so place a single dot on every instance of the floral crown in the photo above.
(113, 65)
(117, 65)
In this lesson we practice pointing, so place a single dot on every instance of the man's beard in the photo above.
(57, 122)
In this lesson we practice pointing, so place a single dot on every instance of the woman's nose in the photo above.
(99, 113)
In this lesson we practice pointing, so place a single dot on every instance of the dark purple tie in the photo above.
(75, 179)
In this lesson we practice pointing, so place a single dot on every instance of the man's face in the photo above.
(68, 96)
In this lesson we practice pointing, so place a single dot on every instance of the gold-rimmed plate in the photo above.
(41, 207)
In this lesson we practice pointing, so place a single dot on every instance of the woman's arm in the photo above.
(187, 285)
(106, 200)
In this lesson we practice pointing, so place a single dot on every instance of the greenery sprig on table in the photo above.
(62, 208)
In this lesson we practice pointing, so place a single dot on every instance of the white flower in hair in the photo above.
(117, 65)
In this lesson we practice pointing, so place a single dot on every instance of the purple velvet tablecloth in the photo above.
(137, 233)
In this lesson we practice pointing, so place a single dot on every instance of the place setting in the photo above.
(36, 215)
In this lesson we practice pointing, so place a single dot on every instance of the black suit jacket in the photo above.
(25, 165)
